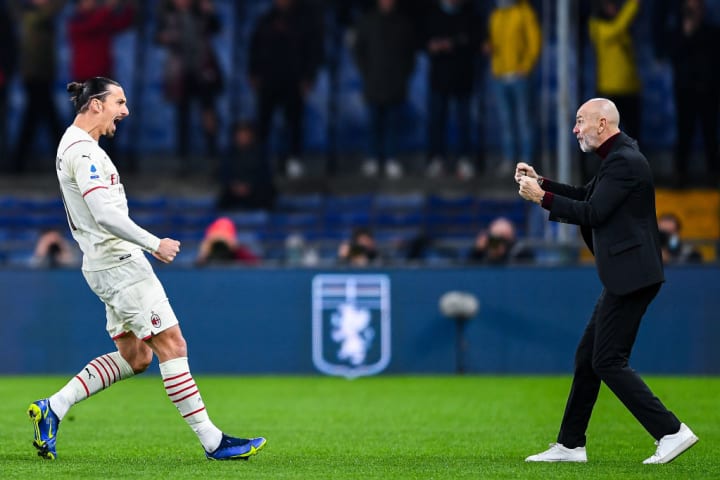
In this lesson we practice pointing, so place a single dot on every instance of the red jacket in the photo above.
(91, 34)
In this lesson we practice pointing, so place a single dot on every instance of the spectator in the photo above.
(385, 55)
(671, 246)
(37, 21)
(285, 54)
(298, 253)
(360, 250)
(220, 246)
(8, 58)
(246, 180)
(514, 48)
(498, 245)
(91, 30)
(696, 70)
(192, 70)
(52, 250)
(451, 41)
(617, 77)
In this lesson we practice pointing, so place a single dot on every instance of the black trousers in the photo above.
(289, 99)
(39, 108)
(603, 355)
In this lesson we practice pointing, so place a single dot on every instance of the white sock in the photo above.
(97, 375)
(184, 393)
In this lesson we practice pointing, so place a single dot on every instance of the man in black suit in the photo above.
(616, 215)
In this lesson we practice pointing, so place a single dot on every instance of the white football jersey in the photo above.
(84, 169)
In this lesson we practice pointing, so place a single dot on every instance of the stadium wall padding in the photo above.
(259, 321)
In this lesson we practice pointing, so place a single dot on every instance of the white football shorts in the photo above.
(135, 300)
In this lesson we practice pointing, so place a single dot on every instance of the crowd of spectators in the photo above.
(286, 50)
(287, 46)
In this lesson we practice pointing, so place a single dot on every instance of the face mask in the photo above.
(673, 242)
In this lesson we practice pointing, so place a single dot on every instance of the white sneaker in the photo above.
(670, 446)
(465, 169)
(293, 168)
(559, 453)
(370, 167)
(435, 168)
(393, 169)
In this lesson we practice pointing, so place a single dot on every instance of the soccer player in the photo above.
(139, 317)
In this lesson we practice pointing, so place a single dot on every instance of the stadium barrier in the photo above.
(276, 321)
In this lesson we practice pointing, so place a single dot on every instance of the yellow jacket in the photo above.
(617, 72)
(515, 39)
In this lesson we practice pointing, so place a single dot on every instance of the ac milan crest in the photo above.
(155, 320)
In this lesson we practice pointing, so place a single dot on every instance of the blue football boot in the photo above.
(46, 427)
(232, 448)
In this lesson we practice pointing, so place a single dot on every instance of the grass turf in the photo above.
(329, 428)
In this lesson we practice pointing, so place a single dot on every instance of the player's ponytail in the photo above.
(82, 93)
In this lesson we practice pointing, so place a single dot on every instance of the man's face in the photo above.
(113, 110)
(586, 129)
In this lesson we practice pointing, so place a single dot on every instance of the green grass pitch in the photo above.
(478, 427)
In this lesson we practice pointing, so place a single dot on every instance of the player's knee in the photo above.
(180, 346)
(170, 344)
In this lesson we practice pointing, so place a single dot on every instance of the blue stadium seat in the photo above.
(287, 202)
(295, 220)
(411, 201)
(158, 202)
(399, 219)
(348, 219)
(41, 204)
(181, 204)
(191, 219)
(250, 219)
(464, 203)
(349, 203)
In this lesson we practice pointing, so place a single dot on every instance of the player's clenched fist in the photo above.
(168, 250)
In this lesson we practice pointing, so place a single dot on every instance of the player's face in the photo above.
(586, 130)
(114, 110)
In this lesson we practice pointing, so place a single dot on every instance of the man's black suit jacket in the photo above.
(617, 218)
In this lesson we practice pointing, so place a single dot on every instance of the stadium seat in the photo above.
(437, 203)
(405, 202)
(302, 203)
(349, 203)
(294, 220)
(399, 219)
(251, 219)
(349, 219)
(156, 203)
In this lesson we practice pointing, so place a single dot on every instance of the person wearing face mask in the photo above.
(498, 245)
(673, 249)
(616, 215)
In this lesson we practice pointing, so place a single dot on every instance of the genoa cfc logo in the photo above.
(155, 320)
(351, 324)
